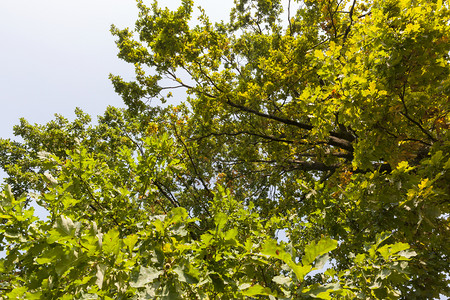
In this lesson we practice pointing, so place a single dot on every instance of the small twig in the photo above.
(171, 199)
(406, 115)
(347, 31)
(191, 160)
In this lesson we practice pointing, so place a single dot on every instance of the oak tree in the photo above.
(313, 134)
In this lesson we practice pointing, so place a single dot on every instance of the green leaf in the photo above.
(50, 179)
(179, 229)
(66, 261)
(178, 214)
(159, 226)
(56, 235)
(272, 249)
(322, 292)
(17, 293)
(313, 250)
(231, 234)
(171, 292)
(35, 295)
(321, 261)
(49, 256)
(111, 242)
(389, 250)
(130, 241)
(220, 220)
(282, 280)
(381, 237)
(9, 197)
(257, 290)
(397, 247)
(184, 275)
(407, 253)
(217, 281)
(207, 239)
(100, 275)
(65, 226)
(145, 276)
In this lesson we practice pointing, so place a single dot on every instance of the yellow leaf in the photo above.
(423, 184)
(372, 87)
(332, 46)
(319, 54)
(167, 248)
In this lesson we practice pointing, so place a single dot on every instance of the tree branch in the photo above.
(267, 137)
(406, 115)
(172, 199)
(191, 160)
(347, 30)
(341, 140)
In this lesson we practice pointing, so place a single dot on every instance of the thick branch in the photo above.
(341, 140)
(267, 137)
(290, 165)
(347, 30)
(313, 166)
(269, 116)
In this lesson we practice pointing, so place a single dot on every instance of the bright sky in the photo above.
(56, 55)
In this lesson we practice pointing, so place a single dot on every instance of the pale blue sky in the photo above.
(56, 55)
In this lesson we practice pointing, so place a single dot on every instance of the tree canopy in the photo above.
(309, 159)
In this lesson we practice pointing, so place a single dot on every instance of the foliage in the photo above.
(329, 127)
